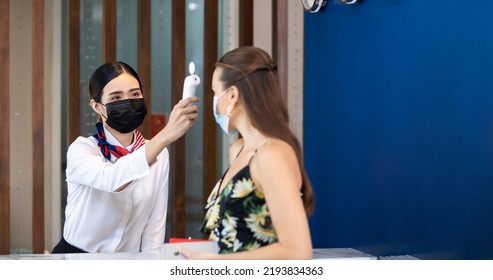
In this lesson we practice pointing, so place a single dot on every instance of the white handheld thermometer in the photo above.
(191, 82)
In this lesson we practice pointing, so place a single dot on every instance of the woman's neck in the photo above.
(252, 137)
(125, 139)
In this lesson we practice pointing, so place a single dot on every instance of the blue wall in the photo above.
(399, 127)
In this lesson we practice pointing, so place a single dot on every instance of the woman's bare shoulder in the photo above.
(275, 150)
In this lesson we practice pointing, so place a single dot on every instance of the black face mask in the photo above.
(126, 115)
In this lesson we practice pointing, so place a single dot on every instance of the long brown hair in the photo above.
(254, 73)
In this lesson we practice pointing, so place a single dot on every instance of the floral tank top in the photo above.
(238, 218)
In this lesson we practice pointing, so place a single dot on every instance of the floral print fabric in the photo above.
(238, 218)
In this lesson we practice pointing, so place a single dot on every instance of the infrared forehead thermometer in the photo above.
(191, 82)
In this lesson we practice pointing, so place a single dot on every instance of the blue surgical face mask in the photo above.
(222, 120)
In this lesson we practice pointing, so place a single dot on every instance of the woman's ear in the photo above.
(234, 96)
(96, 106)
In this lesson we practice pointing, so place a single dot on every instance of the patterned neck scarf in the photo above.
(107, 149)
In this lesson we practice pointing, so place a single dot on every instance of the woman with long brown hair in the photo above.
(259, 208)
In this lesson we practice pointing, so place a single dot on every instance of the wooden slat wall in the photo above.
(280, 43)
(178, 149)
(109, 30)
(73, 52)
(38, 225)
(5, 128)
(144, 57)
(209, 123)
(246, 23)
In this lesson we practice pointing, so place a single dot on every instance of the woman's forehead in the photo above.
(123, 82)
(216, 82)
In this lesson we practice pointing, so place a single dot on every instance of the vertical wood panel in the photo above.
(210, 126)
(109, 30)
(38, 124)
(73, 52)
(246, 23)
(280, 44)
(178, 149)
(5, 128)
(144, 57)
(295, 59)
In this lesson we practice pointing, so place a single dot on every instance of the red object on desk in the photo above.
(178, 240)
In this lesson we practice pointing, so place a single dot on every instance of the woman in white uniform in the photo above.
(117, 180)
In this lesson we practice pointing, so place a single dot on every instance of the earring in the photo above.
(229, 110)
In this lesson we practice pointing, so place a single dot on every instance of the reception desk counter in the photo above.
(318, 253)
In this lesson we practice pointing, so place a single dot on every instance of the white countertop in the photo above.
(318, 253)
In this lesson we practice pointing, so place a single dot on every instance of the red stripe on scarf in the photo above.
(117, 151)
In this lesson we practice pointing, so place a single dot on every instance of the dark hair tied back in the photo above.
(105, 73)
